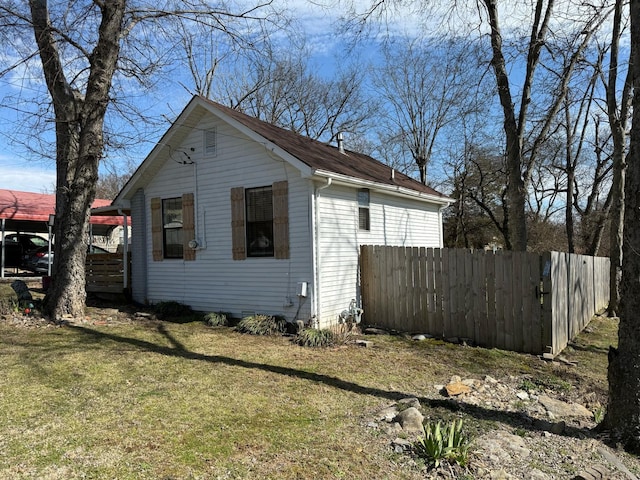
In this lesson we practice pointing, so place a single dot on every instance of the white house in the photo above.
(232, 214)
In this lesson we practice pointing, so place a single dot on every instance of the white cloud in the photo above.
(27, 178)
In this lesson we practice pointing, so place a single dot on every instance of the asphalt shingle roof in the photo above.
(322, 156)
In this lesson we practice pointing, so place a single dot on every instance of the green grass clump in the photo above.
(262, 325)
(449, 443)
(216, 319)
(310, 337)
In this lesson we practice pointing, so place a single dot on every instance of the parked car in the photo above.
(12, 253)
(29, 241)
(39, 261)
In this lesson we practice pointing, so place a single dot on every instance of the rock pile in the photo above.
(537, 435)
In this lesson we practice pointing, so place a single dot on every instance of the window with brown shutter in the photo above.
(173, 227)
(237, 224)
(156, 229)
(188, 226)
(260, 221)
(281, 219)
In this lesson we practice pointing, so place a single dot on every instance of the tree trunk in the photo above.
(623, 413)
(516, 191)
(79, 148)
(618, 118)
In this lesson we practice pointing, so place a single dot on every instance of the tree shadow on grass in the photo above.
(518, 420)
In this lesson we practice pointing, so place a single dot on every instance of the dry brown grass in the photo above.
(152, 400)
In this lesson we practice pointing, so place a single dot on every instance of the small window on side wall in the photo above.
(363, 209)
(211, 141)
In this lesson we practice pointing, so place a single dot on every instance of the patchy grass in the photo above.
(163, 399)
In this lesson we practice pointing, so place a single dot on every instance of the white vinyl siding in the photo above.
(214, 281)
(393, 221)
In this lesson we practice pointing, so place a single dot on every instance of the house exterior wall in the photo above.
(214, 281)
(139, 248)
(394, 221)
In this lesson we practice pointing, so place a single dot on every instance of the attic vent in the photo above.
(210, 141)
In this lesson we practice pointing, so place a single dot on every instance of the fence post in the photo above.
(546, 297)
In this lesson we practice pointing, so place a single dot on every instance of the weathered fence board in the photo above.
(511, 300)
(104, 273)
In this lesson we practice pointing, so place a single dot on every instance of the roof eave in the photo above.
(395, 190)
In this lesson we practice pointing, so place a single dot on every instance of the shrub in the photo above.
(174, 312)
(9, 305)
(262, 325)
(216, 319)
(448, 443)
(311, 337)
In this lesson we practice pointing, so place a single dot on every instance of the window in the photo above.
(260, 221)
(173, 227)
(259, 228)
(210, 141)
(172, 237)
(363, 209)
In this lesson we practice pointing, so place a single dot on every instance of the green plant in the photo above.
(598, 414)
(311, 337)
(216, 319)
(9, 305)
(449, 443)
(262, 325)
(527, 385)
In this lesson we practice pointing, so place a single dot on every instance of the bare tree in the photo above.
(426, 85)
(83, 47)
(618, 114)
(519, 164)
(622, 420)
(281, 87)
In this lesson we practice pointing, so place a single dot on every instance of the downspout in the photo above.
(316, 242)
(202, 242)
(441, 224)
(125, 250)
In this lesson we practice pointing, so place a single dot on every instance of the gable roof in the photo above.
(317, 157)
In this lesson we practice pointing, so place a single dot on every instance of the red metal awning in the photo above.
(29, 212)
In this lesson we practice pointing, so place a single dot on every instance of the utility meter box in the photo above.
(302, 289)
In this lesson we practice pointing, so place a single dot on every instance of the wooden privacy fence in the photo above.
(104, 273)
(517, 301)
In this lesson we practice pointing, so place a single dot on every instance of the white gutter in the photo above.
(382, 187)
(315, 304)
(441, 225)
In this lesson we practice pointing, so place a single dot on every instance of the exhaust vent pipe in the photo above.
(340, 139)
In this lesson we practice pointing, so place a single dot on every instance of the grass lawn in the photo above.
(161, 400)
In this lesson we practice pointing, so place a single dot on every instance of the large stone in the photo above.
(409, 402)
(387, 414)
(410, 420)
(563, 409)
(457, 388)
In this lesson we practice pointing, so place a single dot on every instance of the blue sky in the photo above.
(20, 170)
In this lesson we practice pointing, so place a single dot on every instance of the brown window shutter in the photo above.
(156, 228)
(281, 219)
(237, 224)
(188, 226)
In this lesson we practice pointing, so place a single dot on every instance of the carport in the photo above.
(27, 212)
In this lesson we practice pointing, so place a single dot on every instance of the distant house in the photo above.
(233, 214)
